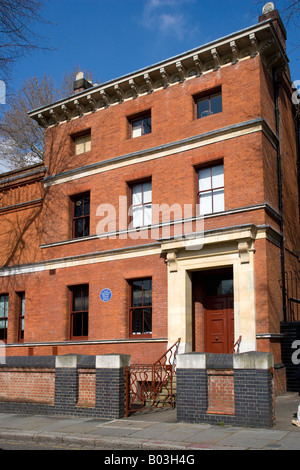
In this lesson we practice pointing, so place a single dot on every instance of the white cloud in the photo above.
(167, 17)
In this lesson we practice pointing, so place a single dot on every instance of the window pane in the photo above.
(148, 215)
(85, 324)
(147, 292)
(137, 128)
(203, 108)
(148, 320)
(206, 203)
(205, 179)
(88, 143)
(86, 226)
(137, 194)
(3, 332)
(216, 104)
(22, 304)
(137, 321)
(147, 192)
(86, 204)
(78, 208)
(77, 324)
(137, 294)
(85, 299)
(219, 200)
(78, 229)
(146, 126)
(77, 302)
(218, 176)
(79, 146)
(3, 306)
(137, 216)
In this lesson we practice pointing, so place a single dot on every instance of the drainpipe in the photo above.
(277, 86)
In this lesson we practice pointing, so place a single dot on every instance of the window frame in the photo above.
(74, 200)
(5, 317)
(145, 115)
(208, 95)
(82, 312)
(211, 190)
(21, 317)
(142, 307)
(142, 204)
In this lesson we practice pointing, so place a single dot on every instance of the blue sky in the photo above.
(114, 37)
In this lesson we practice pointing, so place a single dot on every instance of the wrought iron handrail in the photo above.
(146, 382)
(238, 344)
(170, 350)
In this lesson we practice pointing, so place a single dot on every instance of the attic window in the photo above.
(208, 104)
(140, 124)
(82, 143)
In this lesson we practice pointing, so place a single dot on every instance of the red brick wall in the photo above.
(220, 389)
(87, 387)
(27, 385)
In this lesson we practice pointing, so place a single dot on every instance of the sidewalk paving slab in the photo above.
(153, 430)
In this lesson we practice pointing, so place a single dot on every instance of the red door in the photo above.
(219, 312)
(219, 324)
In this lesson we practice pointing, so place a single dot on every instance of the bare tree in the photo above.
(22, 139)
(17, 36)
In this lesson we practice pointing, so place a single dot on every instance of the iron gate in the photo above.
(152, 385)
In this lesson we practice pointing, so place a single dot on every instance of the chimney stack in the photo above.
(270, 13)
(81, 83)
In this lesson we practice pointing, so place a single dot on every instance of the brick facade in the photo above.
(40, 256)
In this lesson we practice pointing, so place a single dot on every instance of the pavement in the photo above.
(153, 430)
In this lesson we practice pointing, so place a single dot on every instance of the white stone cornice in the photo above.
(92, 102)
(165, 77)
(246, 44)
(149, 82)
(119, 92)
(199, 65)
(235, 52)
(105, 97)
(216, 58)
(134, 88)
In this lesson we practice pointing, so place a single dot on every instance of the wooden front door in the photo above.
(219, 312)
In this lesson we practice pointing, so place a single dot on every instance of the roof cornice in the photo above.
(248, 43)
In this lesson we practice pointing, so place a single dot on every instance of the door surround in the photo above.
(232, 247)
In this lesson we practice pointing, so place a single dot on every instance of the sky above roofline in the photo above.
(116, 37)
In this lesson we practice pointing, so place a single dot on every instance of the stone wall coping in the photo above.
(248, 360)
(112, 361)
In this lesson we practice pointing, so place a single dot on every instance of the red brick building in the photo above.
(166, 208)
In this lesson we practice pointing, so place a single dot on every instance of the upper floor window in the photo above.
(21, 296)
(141, 307)
(82, 143)
(79, 311)
(81, 216)
(140, 125)
(208, 105)
(211, 189)
(3, 316)
(141, 204)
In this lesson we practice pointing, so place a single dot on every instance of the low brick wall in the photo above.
(235, 390)
(91, 386)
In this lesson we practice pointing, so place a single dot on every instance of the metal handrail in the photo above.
(237, 343)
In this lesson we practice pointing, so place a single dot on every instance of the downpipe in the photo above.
(277, 86)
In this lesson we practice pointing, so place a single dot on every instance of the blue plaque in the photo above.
(105, 295)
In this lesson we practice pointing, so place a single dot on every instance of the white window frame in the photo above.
(211, 191)
(141, 204)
